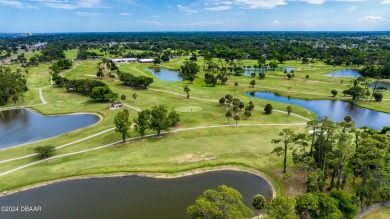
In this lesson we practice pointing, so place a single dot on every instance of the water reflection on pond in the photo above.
(20, 126)
(131, 196)
(335, 110)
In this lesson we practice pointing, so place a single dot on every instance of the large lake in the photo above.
(165, 74)
(335, 110)
(130, 196)
(20, 126)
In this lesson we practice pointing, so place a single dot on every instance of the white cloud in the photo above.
(86, 14)
(275, 22)
(352, 8)
(315, 2)
(263, 4)
(319, 2)
(11, 3)
(156, 16)
(374, 19)
(201, 24)
(385, 2)
(124, 14)
(69, 4)
(219, 8)
(187, 9)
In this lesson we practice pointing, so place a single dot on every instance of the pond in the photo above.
(335, 110)
(130, 196)
(165, 74)
(381, 83)
(344, 73)
(20, 126)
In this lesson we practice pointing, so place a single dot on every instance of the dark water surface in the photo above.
(130, 196)
(22, 126)
(335, 110)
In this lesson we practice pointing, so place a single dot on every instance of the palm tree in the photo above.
(135, 95)
(289, 110)
(236, 118)
(187, 90)
(228, 115)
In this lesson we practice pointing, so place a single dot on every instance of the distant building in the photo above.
(145, 60)
(123, 60)
(116, 104)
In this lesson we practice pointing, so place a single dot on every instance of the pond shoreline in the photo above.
(99, 116)
(160, 175)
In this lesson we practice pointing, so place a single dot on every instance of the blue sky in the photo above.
(193, 15)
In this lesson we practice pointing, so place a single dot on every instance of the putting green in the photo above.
(188, 109)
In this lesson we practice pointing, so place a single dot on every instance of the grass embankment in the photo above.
(248, 147)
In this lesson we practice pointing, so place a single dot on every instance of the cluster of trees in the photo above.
(158, 119)
(189, 70)
(333, 154)
(61, 65)
(226, 202)
(84, 54)
(12, 85)
(376, 70)
(313, 205)
(236, 106)
(360, 88)
(138, 81)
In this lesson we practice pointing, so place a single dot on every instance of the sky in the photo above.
(47, 16)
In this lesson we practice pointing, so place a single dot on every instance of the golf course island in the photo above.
(274, 121)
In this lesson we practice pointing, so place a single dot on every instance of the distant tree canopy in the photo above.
(53, 51)
(138, 81)
(103, 94)
(84, 86)
(61, 65)
(11, 84)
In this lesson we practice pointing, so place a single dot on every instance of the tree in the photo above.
(287, 138)
(228, 115)
(173, 117)
(44, 151)
(159, 120)
(236, 118)
(289, 76)
(187, 90)
(223, 202)
(378, 97)
(134, 96)
(123, 97)
(122, 124)
(142, 123)
(307, 76)
(334, 92)
(348, 118)
(258, 202)
(247, 114)
(222, 101)
(157, 61)
(253, 83)
(10, 84)
(236, 83)
(189, 70)
(261, 76)
(268, 109)
(289, 110)
(103, 94)
(281, 208)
